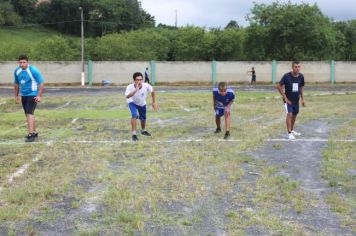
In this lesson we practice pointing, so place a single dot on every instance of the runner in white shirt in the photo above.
(136, 94)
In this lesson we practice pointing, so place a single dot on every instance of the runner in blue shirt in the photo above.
(293, 83)
(223, 98)
(28, 80)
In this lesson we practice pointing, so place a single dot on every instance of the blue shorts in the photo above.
(141, 111)
(219, 112)
(291, 108)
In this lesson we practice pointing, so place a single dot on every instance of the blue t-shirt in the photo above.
(222, 101)
(28, 79)
(292, 86)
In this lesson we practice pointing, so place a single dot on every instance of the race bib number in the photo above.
(295, 87)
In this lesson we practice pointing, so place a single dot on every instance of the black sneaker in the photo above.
(145, 133)
(134, 138)
(227, 135)
(218, 130)
(35, 134)
(30, 138)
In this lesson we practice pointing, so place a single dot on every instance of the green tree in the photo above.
(286, 31)
(55, 48)
(8, 16)
(26, 9)
(348, 29)
(101, 16)
(190, 44)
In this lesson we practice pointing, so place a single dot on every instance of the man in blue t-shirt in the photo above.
(223, 98)
(28, 80)
(293, 83)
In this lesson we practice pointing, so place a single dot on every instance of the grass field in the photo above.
(85, 177)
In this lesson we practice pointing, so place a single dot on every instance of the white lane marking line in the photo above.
(64, 105)
(20, 171)
(52, 142)
(74, 120)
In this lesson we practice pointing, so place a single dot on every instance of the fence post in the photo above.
(274, 71)
(332, 72)
(213, 72)
(153, 72)
(90, 72)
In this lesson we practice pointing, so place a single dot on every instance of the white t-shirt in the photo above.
(140, 96)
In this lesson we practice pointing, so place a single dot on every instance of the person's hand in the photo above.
(17, 99)
(288, 101)
(155, 106)
(303, 103)
(227, 110)
(37, 99)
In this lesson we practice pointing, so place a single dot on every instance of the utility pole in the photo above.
(82, 45)
(176, 22)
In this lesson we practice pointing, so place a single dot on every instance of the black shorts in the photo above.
(29, 104)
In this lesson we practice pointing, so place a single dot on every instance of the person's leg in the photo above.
(142, 117)
(30, 123)
(227, 121)
(227, 124)
(289, 122)
(133, 110)
(218, 122)
(294, 117)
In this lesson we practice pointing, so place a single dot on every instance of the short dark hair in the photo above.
(137, 74)
(222, 85)
(295, 62)
(23, 57)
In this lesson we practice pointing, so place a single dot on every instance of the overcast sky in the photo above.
(218, 13)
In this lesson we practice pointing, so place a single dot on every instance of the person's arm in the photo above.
(228, 106)
(130, 94)
(280, 90)
(302, 95)
(17, 93)
(214, 102)
(154, 103)
(39, 95)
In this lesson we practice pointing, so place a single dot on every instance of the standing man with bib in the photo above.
(293, 83)
(29, 81)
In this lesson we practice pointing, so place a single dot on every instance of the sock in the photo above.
(134, 132)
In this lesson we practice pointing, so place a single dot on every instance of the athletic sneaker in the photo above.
(30, 138)
(291, 136)
(145, 133)
(295, 133)
(134, 138)
(218, 130)
(35, 134)
(227, 135)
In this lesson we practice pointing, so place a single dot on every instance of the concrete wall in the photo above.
(173, 72)
(120, 72)
(237, 71)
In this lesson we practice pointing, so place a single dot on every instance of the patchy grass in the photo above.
(339, 169)
(158, 188)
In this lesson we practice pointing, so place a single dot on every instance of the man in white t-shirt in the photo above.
(136, 94)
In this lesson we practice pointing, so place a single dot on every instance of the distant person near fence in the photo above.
(136, 94)
(147, 78)
(253, 76)
(29, 83)
(293, 83)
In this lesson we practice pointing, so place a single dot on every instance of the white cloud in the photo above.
(217, 13)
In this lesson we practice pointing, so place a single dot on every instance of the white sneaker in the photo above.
(295, 133)
(291, 136)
